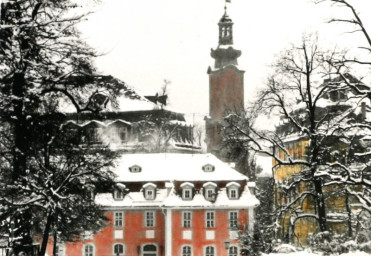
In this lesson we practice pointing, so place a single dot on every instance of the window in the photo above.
(118, 195)
(149, 250)
(187, 193)
(135, 168)
(233, 251)
(88, 250)
(208, 168)
(118, 219)
(187, 190)
(232, 189)
(149, 219)
(118, 249)
(210, 222)
(150, 194)
(187, 219)
(233, 219)
(233, 193)
(149, 191)
(209, 251)
(210, 194)
(210, 191)
(186, 250)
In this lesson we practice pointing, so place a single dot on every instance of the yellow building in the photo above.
(294, 201)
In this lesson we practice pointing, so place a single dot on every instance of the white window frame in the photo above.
(184, 194)
(230, 193)
(118, 194)
(147, 194)
(210, 222)
(186, 222)
(149, 252)
(207, 192)
(135, 169)
(186, 253)
(148, 221)
(113, 249)
(89, 253)
(233, 187)
(232, 253)
(208, 168)
(117, 219)
(233, 219)
(206, 253)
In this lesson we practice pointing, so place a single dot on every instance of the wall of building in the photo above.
(135, 234)
(226, 91)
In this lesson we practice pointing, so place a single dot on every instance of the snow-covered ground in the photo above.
(306, 253)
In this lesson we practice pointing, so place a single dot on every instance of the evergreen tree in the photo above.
(45, 67)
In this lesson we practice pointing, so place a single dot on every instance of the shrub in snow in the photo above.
(366, 247)
(284, 248)
(327, 243)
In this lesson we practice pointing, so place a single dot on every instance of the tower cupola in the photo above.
(225, 54)
(225, 30)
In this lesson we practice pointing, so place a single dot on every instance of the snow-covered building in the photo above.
(171, 204)
(337, 110)
(130, 122)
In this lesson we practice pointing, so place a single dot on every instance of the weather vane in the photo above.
(225, 4)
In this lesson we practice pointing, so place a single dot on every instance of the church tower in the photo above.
(226, 85)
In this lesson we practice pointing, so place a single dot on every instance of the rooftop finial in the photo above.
(225, 5)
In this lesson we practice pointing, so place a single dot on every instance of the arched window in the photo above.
(118, 249)
(88, 250)
(233, 251)
(149, 250)
(210, 251)
(186, 250)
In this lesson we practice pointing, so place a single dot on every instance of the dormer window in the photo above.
(118, 194)
(210, 191)
(149, 191)
(233, 190)
(208, 168)
(187, 190)
(135, 168)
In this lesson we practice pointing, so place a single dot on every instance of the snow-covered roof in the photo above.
(174, 167)
(222, 200)
(128, 99)
(165, 199)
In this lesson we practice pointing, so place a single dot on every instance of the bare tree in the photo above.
(316, 109)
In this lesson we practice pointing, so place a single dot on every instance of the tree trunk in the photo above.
(347, 206)
(320, 203)
(55, 238)
(48, 225)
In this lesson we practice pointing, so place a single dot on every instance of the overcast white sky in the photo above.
(147, 41)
